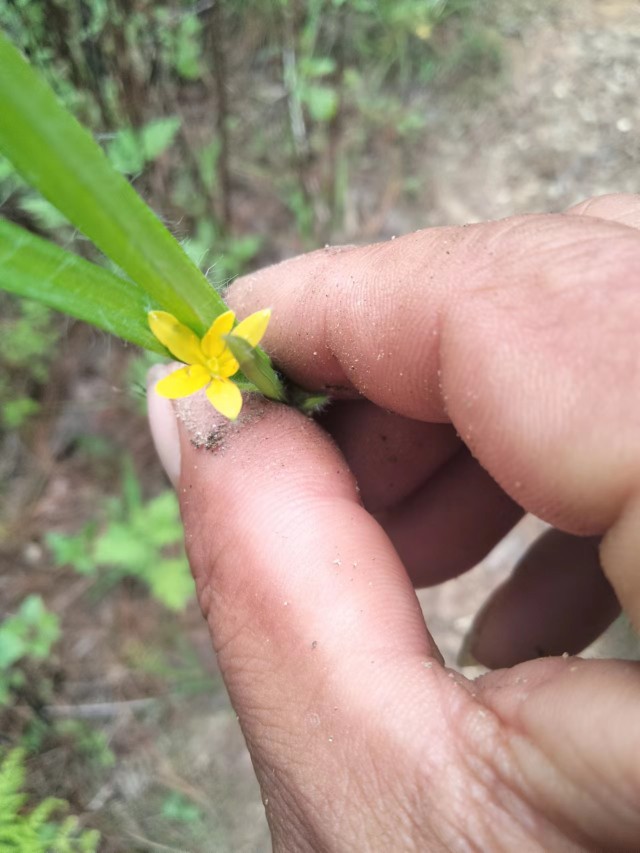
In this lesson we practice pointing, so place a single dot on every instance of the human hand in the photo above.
(486, 370)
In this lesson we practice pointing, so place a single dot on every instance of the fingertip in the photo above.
(623, 208)
(274, 524)
(163, 424)
(556, 601)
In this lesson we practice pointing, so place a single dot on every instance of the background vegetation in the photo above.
(256, 129)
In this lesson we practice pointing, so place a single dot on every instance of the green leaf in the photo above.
(73, 550)
(316, 66)
(6, 169)
(41, 627)
(159, 521)
(121, 546)
(322, 102)
(62, 161)
(46, 215)
(38, 269)
(171, 582)
(310, 404)
(126, 153)
(12, 647)
(157, 135)
(256, 366)
(207, 159)
(130, 150)
(16, 412)
(28, 633)
(179, 808)
(188, 48)
(32, 609)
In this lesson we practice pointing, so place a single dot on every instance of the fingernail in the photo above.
(163, 424)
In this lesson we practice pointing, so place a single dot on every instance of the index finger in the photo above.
(522, 333)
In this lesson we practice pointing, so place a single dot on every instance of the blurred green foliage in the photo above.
(238, 122)
(87, 743)
(90, 744)
(202, 104)
(40, 829)
(28, 334)
(139, 540)
(131, 150)
(176, 807)
(153, 76)
(26, 636)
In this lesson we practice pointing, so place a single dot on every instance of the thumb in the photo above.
(312, 616)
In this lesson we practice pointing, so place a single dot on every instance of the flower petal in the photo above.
(178, 339)
(227, 364)
(183, 382)
(213, 343)
(224, 395)
(253, 327)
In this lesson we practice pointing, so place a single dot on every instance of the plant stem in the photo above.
(217, 41)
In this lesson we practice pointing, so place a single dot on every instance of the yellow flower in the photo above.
(209, 361)
(423, 31)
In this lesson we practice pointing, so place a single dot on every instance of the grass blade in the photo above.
(38, 269)
(59, 158)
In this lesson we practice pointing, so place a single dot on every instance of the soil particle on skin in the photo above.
(208, 429)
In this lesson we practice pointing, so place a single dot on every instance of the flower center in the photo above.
(213, 367)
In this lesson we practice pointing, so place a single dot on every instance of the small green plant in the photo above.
(140, 540)
(42, 829)
(90, 744)
(27, 635)
(131, 150)
(179, 809)
(28, 333)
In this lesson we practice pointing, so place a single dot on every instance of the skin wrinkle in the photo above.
(563, 776)
(561, 248)
(367, 821)
(456, 705)
(620, 800)
(447, 828)
(296, 832)
(407, 799)
(312, 808)
(305, 803)
(492, 761)
(555, 814)
(613, 206)
(385, 782)
(555, 819)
